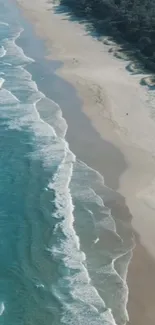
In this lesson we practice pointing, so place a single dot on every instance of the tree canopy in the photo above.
(133, 20)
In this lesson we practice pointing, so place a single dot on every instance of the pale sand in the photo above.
(109, 92)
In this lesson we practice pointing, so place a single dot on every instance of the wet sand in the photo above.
(141, 287)
(120, 152)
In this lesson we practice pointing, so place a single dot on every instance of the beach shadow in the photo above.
(76, 17)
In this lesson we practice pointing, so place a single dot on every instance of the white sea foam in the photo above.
(1, 82)
(8, 64)
(85, 296)
(59, 121)
(6, 97)
(2, 52)
(3, 23)
(2, 308)
(125, 294)
(19, 81)
(85, 193)
(40, 285)
(96, 240)
(80, 188)
(14, 54)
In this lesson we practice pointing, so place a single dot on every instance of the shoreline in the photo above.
(110, 137)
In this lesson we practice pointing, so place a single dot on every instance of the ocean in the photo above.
(63, 256)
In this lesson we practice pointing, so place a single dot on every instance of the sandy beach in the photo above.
(121, 113)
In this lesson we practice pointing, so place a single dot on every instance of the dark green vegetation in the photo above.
(130, 20)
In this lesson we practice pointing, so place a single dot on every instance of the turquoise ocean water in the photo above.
(62, 258)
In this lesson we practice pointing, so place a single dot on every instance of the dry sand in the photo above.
(122, 112)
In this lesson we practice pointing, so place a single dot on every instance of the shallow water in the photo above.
(63, 255)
